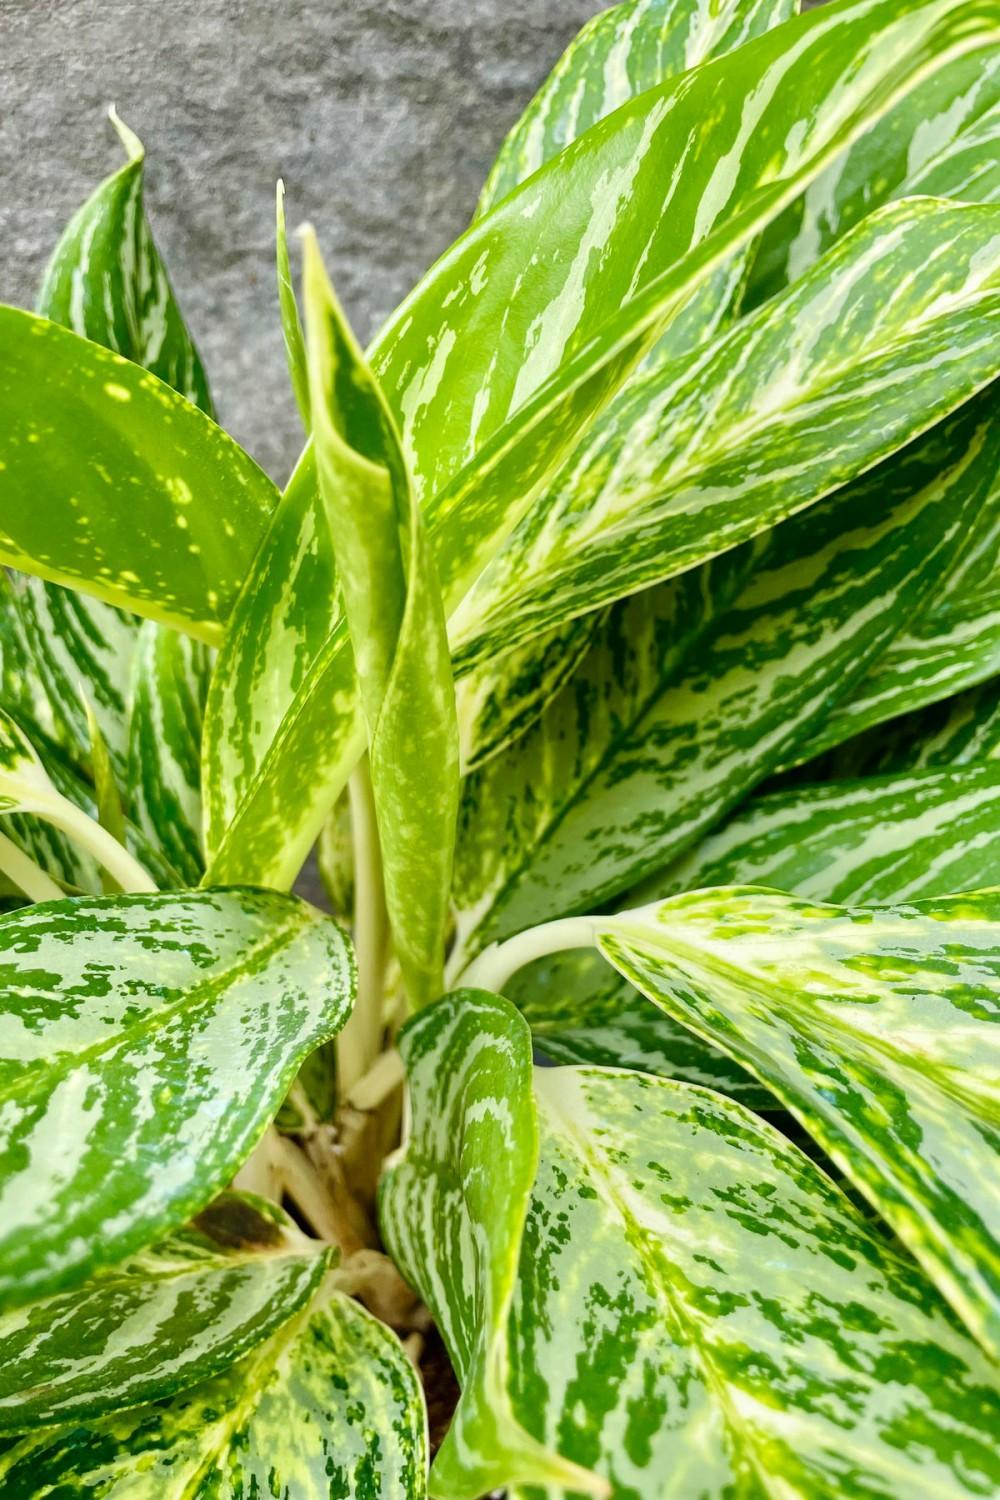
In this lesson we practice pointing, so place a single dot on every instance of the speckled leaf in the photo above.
(394, 613)
(620, 53)
(113, 483)
(636, 759)
(451, 1207)
(512, 342)
(960, 730)
(165, 1320)
(701, 1312)
(329, 1408)
(107, 283)
(169, 682)
(581, 1011)
(942, 139)
(892, 329)
(877, 1028)
(145, 1041)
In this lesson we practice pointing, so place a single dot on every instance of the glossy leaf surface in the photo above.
(877, 1028)
(168, 1319)
(330, 1406)
(145, 1041)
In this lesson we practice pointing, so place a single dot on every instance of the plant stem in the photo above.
(26, 874)
(360, 1039)
(115, 858)
(496, 964)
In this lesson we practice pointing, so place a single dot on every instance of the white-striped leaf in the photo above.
(619, 53)
(886, 838)
(167, 1319)
(635, 759)
(890, 838)
(113, 483)
(487, 402)
(168, 688)
(145, 1041)
(955, 732)
(395, 616)
(329, 1407)
(892, 329)
(698, 1310)
(942, 139)
(451, 1207)
(877, 1028)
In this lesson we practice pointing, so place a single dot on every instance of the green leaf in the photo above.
(940, 140)
(876, 1027)
(705, 452)
(620, 53)
(700, 1311)
(145, 1041)
(451, 1209)
(697, 1307)
(113, 483)
(488, 403)
(109, 802)
(885, 838)
(168, 1319)
(582, 1011)
(170, 675)
(106, 281)
(330, 1406)
(642, 753)
(958, 731)
(291, 324)
(393, 608)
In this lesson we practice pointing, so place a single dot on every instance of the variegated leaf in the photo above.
(291, 323)
(620, 53)
(112, 483)
(892, 329)
(396, 620)
(451, 1207)
(698, 1310)
(636, 759)
(877, 1028)
(488, 403)
(887, 838)
(145, 1041)
(943, 139)
(581, 1011)
(926, 833)
(329, 1407)
(168, 1319)
(169, 682)
(955, 732)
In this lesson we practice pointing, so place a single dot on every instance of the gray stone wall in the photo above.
(381, 115)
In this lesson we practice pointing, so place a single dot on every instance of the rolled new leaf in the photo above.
(145, 1042)
(329, 1405)
(697, 1309)
(394, 612)
(877, 1028)
(173, 1316)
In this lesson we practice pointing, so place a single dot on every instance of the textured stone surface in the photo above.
(382, 119)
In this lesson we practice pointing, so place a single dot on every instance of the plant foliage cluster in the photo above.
(627, 639)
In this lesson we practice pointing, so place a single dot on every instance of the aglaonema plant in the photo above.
(626, 641)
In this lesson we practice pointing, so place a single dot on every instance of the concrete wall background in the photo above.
(382, 116)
